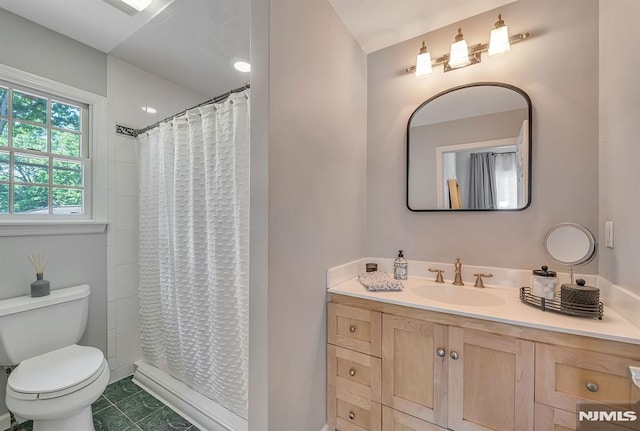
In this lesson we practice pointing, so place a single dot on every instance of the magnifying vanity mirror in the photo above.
(570, 244)
(469, 149)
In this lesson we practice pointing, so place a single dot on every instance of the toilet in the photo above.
(56, 380)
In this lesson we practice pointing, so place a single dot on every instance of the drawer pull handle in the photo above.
(352, 372)
(352, 415)
(592, 387)
(352, 329)
(441, 353)
(454, 356)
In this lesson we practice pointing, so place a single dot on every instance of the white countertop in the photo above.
(503, 305)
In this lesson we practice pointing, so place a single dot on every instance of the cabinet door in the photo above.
(491, 381)
(393, 420)
(565, 376)
(414, 377)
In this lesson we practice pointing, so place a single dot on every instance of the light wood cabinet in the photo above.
(394, 420)
(565, 376)
(395, 368)
(490, 382)
(414, 377)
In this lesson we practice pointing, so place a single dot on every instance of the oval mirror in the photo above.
(468, 149)
(570, 244)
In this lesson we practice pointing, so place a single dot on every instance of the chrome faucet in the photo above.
(457, 279)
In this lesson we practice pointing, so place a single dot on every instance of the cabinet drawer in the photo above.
(353, 371)
(394, 420)
(355, 328)
(347, 411)
(565, 376)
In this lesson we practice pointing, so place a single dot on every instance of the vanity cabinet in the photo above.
(407, 369)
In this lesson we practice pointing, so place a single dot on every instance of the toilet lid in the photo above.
(56, 371)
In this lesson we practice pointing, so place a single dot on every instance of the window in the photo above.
(53, 157)
(44, 154)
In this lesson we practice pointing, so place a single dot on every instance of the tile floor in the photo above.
(124, 406)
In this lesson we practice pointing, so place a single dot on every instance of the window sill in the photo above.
(39, 227)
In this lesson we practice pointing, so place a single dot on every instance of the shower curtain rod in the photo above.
(208, 102)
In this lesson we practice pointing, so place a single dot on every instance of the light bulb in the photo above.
(423, 62)
(459, 55)
(499, 40)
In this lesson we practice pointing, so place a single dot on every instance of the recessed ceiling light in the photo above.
(149, 109)
(130, 7)
(242, 66)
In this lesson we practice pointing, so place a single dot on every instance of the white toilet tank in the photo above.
(32, 326)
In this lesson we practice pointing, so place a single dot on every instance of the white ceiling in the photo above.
(193, 42)
(189, 42)
(377, 24)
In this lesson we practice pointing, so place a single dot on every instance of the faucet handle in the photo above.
(479, 281)
(439, 278)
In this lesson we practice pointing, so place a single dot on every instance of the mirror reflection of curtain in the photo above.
(482, 185)
(506, 180)
(494, 181)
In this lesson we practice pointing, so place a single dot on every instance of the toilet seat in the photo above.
(57, 373)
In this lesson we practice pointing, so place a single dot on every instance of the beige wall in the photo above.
(619, 149)
(557, 67)
(317, 195)
(30, 47)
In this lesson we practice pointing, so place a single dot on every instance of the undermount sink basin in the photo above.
(458, 295)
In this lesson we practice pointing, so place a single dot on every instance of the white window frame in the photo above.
(18, 225)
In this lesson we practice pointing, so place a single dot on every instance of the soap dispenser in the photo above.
(400, 267)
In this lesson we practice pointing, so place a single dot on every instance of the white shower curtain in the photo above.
(194, 249)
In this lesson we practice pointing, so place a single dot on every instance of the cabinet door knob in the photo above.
(592, 387)
(352, 329)
(352, 415)
(352, 372)
(441, 353)
(454, 355)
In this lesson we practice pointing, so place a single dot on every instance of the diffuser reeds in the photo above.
(39, 262)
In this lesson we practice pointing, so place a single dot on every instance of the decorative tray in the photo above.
(558, 306)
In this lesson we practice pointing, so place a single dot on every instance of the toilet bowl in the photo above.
(56, 389)
(56, 380)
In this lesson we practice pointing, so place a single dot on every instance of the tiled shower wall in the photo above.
(128, 90)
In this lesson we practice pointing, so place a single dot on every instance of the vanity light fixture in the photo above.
(423, 62)
(462, 55)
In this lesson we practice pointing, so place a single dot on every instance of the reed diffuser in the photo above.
(40, 287)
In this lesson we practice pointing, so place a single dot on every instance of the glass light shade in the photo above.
(499, 41)
(138, 5)
(459, 55)
(423, 64)
(242, 66)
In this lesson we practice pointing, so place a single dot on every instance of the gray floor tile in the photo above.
(164, 419)
(100, 404)
(120, 390)
(139, 406)
(111, 419)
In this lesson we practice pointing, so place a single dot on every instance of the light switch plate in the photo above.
(608, 234)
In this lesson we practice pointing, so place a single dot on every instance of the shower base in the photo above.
(198, 409)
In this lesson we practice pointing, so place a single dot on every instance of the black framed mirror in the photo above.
(469, 149)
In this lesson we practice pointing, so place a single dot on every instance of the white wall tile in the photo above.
(125, 371)
(126, 179)
(111, 175)
(111, 343)
(126, 246)
(128, 348)
(111, 284)
(126, 149)
(126, 212)
(111, 315)
(127, 314)
(126, 280)
(113, 376)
